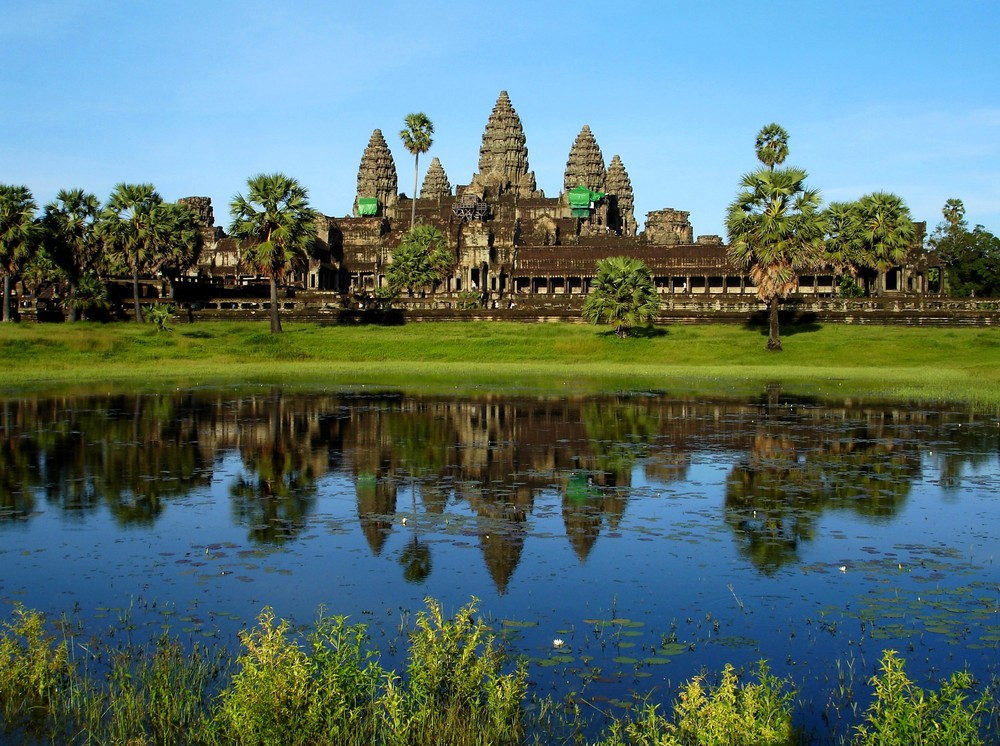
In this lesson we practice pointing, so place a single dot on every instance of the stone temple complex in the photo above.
(511, 243)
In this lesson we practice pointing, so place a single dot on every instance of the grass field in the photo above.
(830, 361)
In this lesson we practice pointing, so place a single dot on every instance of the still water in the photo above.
(655, 538)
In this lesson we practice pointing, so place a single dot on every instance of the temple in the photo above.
(514, 245)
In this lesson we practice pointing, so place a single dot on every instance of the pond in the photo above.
(620, 545)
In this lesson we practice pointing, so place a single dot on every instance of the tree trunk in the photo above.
(773, 338)
(275, 318)
(135, 297)
(6, 298)
(74, 314)
(413, 204)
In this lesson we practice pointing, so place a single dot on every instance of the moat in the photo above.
(655, 538)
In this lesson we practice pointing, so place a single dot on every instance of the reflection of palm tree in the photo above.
(416, 561)
(416, 557)
(274, 501)
(775, 496)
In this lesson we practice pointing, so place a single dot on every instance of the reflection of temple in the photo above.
(495, 456)
(513, 245)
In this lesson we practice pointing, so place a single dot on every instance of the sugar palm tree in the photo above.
(421, 260)
(417, 139)
(69, 224)
(18, 236)
(278, 227)
(772, 145)
(623, 294)
(775, 230)
(885, 232)
(127, 228)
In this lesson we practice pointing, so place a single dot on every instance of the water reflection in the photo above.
(412, 459)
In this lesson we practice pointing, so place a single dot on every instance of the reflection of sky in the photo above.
(672, 566)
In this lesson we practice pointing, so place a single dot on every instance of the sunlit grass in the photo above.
(931, 364)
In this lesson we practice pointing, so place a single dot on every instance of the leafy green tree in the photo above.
(772, 145)
(971, 258)
(885, 233)
(421, 260)
(278, 227)
(416, 136)
(623, 294)
(18, 236)
(775, 231)
(70, 238)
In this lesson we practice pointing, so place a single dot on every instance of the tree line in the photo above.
(778, 229)
(776, 226)
(78, 244)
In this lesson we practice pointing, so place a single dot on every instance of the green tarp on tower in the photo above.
(581, 201)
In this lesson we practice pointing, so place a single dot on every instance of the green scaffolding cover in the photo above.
(367, 206)
(581, 198)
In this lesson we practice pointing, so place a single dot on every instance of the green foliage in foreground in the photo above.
(829, 361)
(328, 687)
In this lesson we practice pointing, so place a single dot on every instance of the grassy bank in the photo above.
(959, 365)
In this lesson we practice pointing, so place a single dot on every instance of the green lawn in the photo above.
(832, 360)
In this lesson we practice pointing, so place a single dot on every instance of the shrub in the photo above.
(728, 714)
(33, 669)
(161, 316)
(905, 715)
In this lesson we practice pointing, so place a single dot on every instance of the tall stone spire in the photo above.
(585, 164)
(503, 156)
(435, 183)
(377, 174)
(621, 212)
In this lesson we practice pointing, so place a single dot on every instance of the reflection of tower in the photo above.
(501, 537)
(376, 505)
(582, 502)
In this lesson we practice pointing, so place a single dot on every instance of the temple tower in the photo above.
(585, 165)
(435, 184)
(621, 207)
(376, 178)
(503, 156)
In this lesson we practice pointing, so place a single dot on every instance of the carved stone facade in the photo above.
(503, 156)
(621, 201)
(513, 247)
(585, 165)
(377, 178)
(435, 184)
(669, 227)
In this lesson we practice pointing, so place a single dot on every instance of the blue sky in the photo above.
(197, 96)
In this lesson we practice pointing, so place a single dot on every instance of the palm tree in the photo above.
(772, 145)
(843, 252)
(129, 232)
(775, 230)
(623, 294)
(885, 232)
(69, 224)
(179, 240)
(422, 259)
(417, 139)
(18, 234)
(279, 229)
